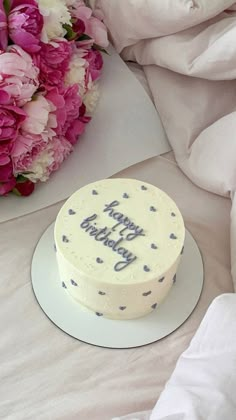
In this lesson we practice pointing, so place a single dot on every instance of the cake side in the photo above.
(113, 300)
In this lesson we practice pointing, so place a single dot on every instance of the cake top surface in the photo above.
(120, 230)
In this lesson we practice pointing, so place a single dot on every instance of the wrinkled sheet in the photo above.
(47, 375)
(208, 366)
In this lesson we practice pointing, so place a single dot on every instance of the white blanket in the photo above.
(203, 384)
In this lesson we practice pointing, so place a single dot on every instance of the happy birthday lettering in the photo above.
(104, 234)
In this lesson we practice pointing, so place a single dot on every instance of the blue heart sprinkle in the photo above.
(101, 293)
(65, 239)
(174, 279)
(146, 268)
(55, 248)
(122, 308)
(182, 251)
(154, 306)
(153, 246)
(172, 236)
(143, 188)
(99, 260)
(94, 192)
(64, 285)
(71, 212)
(153, 209)
(73, 283)
(173, 214)
(147, 293)
(161, 279)
(98, 313)
(125, 195)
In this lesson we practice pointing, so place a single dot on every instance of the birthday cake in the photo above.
(118, 245)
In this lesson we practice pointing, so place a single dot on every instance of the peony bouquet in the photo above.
(50, 61)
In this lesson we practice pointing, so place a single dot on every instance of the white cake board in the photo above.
(84, 325)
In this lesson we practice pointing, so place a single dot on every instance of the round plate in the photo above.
(84, 325)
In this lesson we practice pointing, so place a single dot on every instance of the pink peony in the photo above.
(60, 148)
(11, 119)
(7, 180)
(73, 103)
(25, 24)
(53, 62)
(70, 112)
(95, 61)
(39, 157)
(68, 103)
(36, 132)
(97, 31)
(56, 97)
(6, 172)
(26, 148)
(3, 27)
(94, 28)
(18, 76)
(40, 117)
(78, 27)
(77, 127)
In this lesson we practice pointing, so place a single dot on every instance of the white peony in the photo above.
(56, 14)
(39, 168)
(77, 71)
(90, 99)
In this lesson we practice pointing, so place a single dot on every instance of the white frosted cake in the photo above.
(119, 243)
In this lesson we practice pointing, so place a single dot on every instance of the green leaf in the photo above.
(97, 47)
(70, 34)
(16, 192)
(7, 6)
(84, 37)
(22, 178)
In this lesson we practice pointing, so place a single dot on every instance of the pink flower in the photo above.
(53, 62)
(73, 103)
(78, 27)
(95, 61)
(60, 148)
(40, 117)
(41, 158)
(70, 112)
(56, 97)
(3, 27)
(25, 24)
(6, 172)
(77, 126)
(7, 179)
(26, 148)
(97, 31)
(18, 76)
(68, 103)
(93, 26)
(11, 119)
(36, 132)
